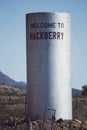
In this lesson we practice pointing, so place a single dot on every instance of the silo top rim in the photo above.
(63, 13)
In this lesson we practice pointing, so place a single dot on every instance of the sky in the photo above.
(13, 35)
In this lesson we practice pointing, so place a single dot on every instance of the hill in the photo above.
(4, 79)
(76, 91)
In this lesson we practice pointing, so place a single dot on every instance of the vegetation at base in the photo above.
(80, 107)
(12, 104)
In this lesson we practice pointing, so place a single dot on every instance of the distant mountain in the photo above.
(22, 85)
(76, 91)
(4, 79)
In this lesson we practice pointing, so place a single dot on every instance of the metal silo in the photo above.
(48, 64)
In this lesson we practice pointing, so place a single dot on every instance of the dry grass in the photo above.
(5, 90)
(12, 103)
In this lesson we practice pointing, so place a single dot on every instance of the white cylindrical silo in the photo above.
(48, 64)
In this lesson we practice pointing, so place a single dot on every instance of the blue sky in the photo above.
(13, 35)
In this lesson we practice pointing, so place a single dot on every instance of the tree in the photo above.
(84, 90)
